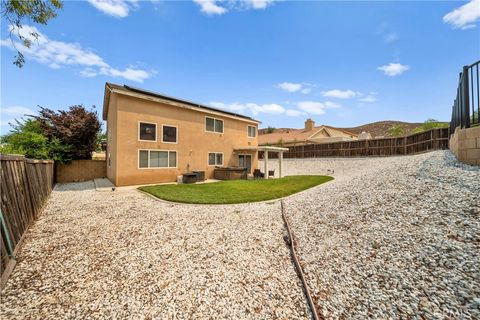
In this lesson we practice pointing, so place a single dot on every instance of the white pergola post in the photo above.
(280, 162)
(265, 159)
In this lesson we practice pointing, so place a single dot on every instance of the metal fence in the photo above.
(465, 110)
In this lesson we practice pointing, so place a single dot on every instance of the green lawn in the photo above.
(235, 191)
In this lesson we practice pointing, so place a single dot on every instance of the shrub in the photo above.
(396, 131)
(77, 127)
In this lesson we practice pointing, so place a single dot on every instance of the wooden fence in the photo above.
(80, 170)
(435, 139)
(25, 185)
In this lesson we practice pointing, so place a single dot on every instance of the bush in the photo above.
(26, 138)
(77, 127)
(396, 131)
(430, 124)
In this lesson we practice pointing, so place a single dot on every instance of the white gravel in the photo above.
(124, 255)
(391, 237)
(388, 238)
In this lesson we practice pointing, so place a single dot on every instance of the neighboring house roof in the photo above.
(304, 135)
(141, 93)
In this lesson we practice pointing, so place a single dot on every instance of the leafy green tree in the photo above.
(270, 129)
(430, 124)
(101, 141)
(26, 138)
(76, 127)
(15, 12)
(396, 131)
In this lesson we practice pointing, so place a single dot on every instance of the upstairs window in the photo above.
(252, 131)
(169, 134)
(213, 125)
(215, 159)
(147, 131)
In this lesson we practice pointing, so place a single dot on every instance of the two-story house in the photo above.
(153, 138)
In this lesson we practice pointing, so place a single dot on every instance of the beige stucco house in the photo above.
(309, 134)
(153, 138)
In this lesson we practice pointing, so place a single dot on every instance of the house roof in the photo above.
(301, 135)
(129, 89)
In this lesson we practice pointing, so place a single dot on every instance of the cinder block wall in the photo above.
(465, 144)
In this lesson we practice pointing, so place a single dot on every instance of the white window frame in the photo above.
(248, 131)
(214, 121)
(156, 131)
(148, 158)
(169, 125)
(215, 153)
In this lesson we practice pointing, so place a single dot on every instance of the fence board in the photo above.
(435, 139)
(81, 170)
(25, 185)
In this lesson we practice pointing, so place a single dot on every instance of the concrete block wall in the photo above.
(465, 144)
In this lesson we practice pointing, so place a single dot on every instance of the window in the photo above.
(147, 131)
(157, 159)
(109, 159)
(169, 134)
(215, 159)
(213, 125)
(252, 131)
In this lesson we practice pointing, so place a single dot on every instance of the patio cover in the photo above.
(265, 150)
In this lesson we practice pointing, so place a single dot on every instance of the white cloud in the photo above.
(272, 108)
(304, 88)
(219, 7)
(210, 7)
(114, 8)
(393, 69)
(294, 113)
(254, 108)
(465, 16)
(260, 4)
(340, 94)
(290, 86)
(16, 111)
(317, 108)
(57, 54)
(369, 98)
(234, 107)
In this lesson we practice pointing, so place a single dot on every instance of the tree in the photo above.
(270, 129)
(77, 127)
(101, 142)
(16, 11)
(27, 138)
(396, 131)
(430, 124)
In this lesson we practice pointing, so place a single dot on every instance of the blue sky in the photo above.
(340, 63)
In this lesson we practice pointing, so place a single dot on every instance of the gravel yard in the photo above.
(388, 238)
(125, 255)
(391, 237)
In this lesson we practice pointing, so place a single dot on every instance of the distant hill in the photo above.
(376, 129)
(380, 128)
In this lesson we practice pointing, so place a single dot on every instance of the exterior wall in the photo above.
(80, 170)
(192, 147)
(111, 155)
(465, 144)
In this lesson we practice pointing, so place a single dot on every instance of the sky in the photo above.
(340, 63)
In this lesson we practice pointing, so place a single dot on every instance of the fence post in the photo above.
(466, 97)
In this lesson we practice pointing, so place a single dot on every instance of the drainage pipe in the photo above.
(296, 261)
